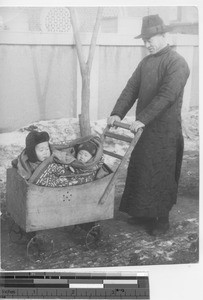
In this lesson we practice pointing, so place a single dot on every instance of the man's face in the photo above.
(42, 151)
(154, 44)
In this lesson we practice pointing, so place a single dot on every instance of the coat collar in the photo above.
(162, 51)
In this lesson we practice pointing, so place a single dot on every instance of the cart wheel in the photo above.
(39, 248)
(30, 235)
(15, 233)
(93, 237)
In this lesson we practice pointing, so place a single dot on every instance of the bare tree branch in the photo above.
(94, 37)
(85, 67)
(77, 39)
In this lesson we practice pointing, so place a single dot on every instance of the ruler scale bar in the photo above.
(119, 286)
(50, 281)
(86, 285)
(120, 281)
(85, 281)
(115, 285)
(72, 275)
(70, 293)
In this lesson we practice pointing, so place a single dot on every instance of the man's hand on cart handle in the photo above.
(112, 119)
(136, 125)
(132, 127)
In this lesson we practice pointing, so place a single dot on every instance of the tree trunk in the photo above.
(84, 118)
(85, 68)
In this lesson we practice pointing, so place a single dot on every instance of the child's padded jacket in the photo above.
(61, 168)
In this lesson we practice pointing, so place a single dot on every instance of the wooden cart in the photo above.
(34, 208)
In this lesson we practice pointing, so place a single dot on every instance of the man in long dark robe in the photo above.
(155, 164)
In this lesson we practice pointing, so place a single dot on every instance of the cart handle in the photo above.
(117, 124)
(122, 125)
(121, 165)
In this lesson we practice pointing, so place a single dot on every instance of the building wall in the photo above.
(36, 83)
(40, 75)
(194, 101)
(116, 66)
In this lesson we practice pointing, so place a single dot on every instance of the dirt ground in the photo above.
(120, 244)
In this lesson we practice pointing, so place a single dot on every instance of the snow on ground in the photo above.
(122, 245)
(61, 131)
(64, 130)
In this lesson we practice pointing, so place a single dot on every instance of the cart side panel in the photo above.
(16, 191)
(58, 207)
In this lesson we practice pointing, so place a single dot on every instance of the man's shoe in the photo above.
(150, 225)
(161, 227)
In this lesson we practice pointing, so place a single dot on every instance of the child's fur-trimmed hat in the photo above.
(88, 146)
(32, 140)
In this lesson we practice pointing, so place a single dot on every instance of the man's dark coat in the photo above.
(155, 163)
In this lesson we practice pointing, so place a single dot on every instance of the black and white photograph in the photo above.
(99, 136)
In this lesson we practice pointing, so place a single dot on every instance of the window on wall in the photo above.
(87, 17)
(187, 14)
(56, 19)
(186, 21)
(35, 19)
(109, 25)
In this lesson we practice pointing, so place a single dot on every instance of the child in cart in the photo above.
(42, 164)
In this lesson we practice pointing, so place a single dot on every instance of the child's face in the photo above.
(42, 151)
(84, 156)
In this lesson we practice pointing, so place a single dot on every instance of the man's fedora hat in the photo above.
(152, 25)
